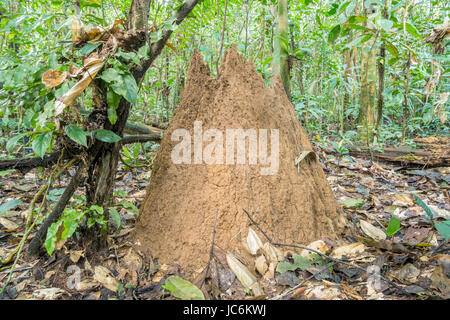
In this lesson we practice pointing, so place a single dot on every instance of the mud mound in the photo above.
(292, 206)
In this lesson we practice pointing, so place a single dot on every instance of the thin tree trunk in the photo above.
(281, 64)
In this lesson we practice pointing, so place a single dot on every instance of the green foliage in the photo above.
(41, 143)
(72, 218)
(11, 204)
(76, 134)
(393, 227)
(183, 289)
(299, 263)
(106, 136)
(442, 227)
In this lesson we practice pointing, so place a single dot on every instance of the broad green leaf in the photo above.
(76, 134)
(299, 263)
(70, 226)
(424, 207)
(393, 227)
(131, 88)
(183, 289)
(52, 234)
(107, 136)
(5, 207)
(113, 100)
(391, 48)
(111, 75)
(129, 206)
(41, 143)
(115, 217)
(444, 229)
(334, 33)
(413, 31)
(353, 203)
(13, 141)
(88, 48)
(386, 24)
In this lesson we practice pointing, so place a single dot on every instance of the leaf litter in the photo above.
(392, 236)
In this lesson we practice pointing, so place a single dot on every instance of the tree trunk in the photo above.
(281, 61)
(366, 119)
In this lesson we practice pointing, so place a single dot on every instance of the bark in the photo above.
(380, 102)
(26, 164)
(405, 98)
(281, 64)
(366, 119)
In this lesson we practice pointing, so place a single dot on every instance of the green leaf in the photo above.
(107, 136)
(5, 172)
(424, 207)
(41, 143)
(334, 33)
(353, 203)
(129, 206)
(391, 48)
(413, 31)
(131, 88)
(5, 207)
(183, 289)
(111, 75)
(444, 229)
(51, 239)
(299, 263)
(386, 24)
(115, 217)
(113, 100)
(88, 48)
(70, 226)
(76, 134)
(13, 141)
(393, 227)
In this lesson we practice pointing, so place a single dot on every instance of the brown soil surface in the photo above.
(177, 215)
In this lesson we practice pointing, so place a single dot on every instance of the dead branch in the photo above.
(141, 138)
(26, 164)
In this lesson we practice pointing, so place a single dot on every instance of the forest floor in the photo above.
(413, 264)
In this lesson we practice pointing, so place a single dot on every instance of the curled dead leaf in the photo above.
(372, 231)
(244, 275)
(254, 243)
(104, 276)
(53, 78)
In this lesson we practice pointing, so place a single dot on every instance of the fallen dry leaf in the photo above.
(244, 275)
(53, 78)
(351, 250)
(372, 231)
(104, 276)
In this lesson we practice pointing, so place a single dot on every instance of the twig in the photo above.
(211, 250)
(282, 295)
(321, 254)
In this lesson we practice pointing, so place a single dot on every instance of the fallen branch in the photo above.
(405, 156)
(133, 128)
(26, 164)
(127, 139)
